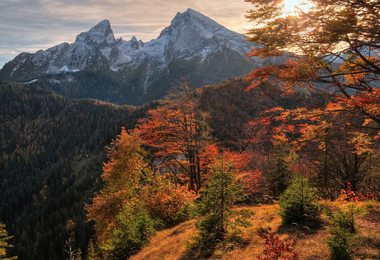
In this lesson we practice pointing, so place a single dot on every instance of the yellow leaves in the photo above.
(122, 175)
(362, 143)
(314, 132)
(3, 242)
(164, 199)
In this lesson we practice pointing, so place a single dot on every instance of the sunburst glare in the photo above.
(291, 6)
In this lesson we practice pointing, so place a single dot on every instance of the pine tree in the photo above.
(78, 255)
(298, 203)
(4, 244)
(91, 251)
(217, 198)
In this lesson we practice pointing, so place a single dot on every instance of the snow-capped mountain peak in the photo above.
(100, 33)
(192, 42)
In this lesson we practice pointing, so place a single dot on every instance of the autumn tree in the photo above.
(337, 158)
(271, 153)
(4, 243)
(178, 137)
(165, 200)
(122, 223)
(134, 201)
(336, 153)
(328, 45)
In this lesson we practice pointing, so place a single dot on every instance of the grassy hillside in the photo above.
(311, 245)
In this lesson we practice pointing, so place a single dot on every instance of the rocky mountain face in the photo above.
(99, 66)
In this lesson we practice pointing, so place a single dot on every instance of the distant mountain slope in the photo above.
(231, 107)
(99, 66)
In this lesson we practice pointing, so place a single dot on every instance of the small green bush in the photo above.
(344, 220)
(135, 229)
(299, 204)
(338, 244)
(342, 240)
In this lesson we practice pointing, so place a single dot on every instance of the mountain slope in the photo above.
(99, 66)
(51, 157)
(52, 153)
(310, 243)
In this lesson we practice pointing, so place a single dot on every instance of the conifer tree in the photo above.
(298, 203)
(217, 198)
(4, 243)
(91, 251)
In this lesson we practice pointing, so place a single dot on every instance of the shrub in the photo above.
(342, 240)
(298, 203)
(338, 244)
(166, 201)
(135, 228)
(275, 248)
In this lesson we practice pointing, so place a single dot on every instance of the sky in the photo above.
(32, 25)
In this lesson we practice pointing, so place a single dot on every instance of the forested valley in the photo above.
(52, 153)
(53, 149)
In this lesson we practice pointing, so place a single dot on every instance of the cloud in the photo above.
(30, 25)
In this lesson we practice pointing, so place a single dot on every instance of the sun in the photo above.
(291, 6)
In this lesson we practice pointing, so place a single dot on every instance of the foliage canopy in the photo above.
(329, 45)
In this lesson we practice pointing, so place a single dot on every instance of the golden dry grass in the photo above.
(170, 244)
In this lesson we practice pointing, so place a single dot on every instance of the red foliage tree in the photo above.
(178, 137)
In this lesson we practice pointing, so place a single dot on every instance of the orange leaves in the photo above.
(368, 102)
(331, 107)
(122, 175)
(348, 195)
(125, 160)
(178, 137)
(164, 199)
(162, 128)
(332, 45)
(104, 210)
(300, 126)
(290, 73)
(277, 139)
(245, 175)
